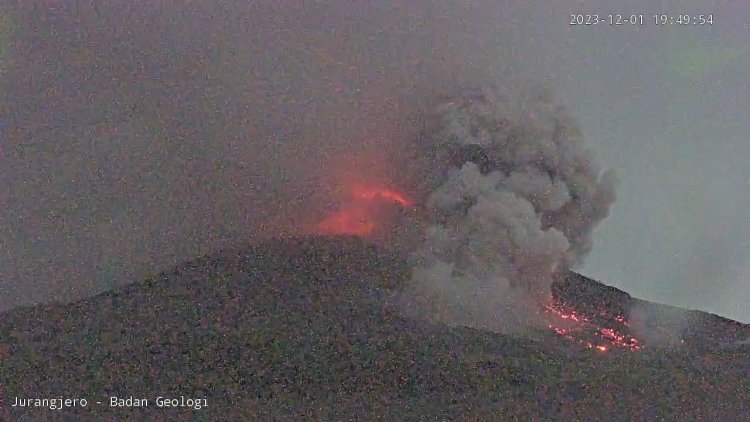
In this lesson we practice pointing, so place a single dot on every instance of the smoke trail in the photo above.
(516, 201)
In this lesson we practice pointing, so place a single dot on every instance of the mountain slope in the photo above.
(299, 328)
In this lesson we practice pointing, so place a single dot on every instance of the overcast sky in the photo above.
(134, 137)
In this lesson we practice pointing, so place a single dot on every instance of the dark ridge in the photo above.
(301, 328)
(591, 297)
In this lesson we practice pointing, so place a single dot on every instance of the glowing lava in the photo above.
(359, 215)
(582, 327)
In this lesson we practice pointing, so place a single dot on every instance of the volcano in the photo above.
(302, 328)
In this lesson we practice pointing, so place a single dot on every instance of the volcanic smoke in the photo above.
(515, 201)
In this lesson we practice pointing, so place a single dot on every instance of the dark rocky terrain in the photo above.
(300, 329)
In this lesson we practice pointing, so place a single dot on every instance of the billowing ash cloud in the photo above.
(516, 199)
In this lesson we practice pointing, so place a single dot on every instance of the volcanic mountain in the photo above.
(302, 328)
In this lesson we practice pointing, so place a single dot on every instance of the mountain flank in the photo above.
(302, 329)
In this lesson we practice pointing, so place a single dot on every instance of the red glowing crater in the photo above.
(360, 215)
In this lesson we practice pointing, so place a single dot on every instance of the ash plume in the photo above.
(515, 201)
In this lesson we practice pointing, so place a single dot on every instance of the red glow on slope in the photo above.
(359, 214)
(583, 327)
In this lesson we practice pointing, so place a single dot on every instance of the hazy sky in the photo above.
(134, 137)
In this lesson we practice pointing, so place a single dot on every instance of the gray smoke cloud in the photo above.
(516, 199)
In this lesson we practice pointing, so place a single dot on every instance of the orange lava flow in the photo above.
(358, 215)
(584, 325)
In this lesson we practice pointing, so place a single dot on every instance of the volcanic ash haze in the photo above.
(516, 201)
(142, 135)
